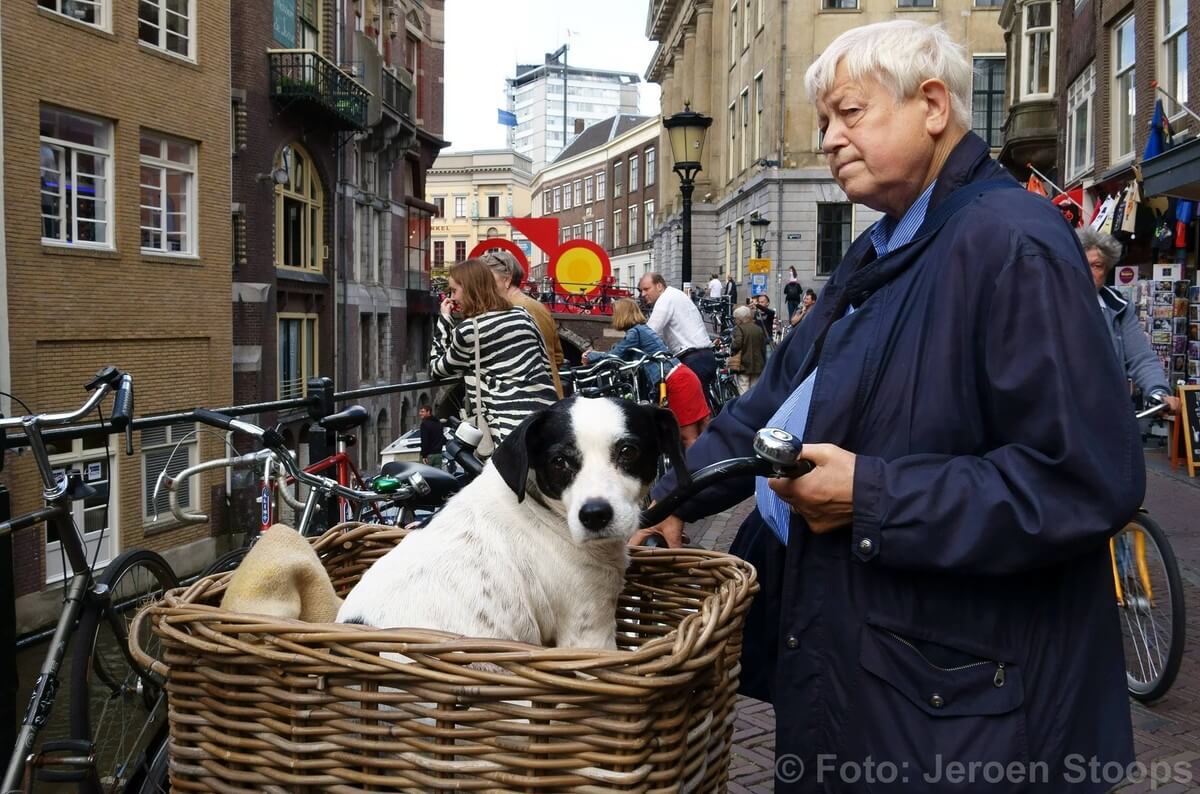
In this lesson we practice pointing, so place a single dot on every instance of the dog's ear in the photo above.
(511, 457)
(670, 444)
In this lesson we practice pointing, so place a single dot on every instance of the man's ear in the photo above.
(511, 457)
(938, 110)
(670, 444)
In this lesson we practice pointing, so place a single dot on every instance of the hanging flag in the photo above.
(1185, 211)
(1034, 185)
(1160, 133)
(506, 118)
(1071, 212)
(1118, 213)
(1104, 216)
(1132, 200)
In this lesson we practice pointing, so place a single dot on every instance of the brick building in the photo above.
(116, 250)
(604, 188)
(385, 309)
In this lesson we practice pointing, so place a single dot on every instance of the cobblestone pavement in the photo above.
(1167, 734)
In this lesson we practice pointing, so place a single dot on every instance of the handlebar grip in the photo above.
(122, 411)
(213, 418)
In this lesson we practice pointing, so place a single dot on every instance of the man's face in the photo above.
(763, 301)
(425, 413)
(650, 291)
(1096, 265)
(879, 151)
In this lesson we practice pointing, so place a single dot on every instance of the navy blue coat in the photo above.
(996, 454)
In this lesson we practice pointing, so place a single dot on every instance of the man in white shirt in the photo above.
(714, 286)
(677, 320)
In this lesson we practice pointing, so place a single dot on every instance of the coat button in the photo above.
(791, 642)
(865, 545)
(936, 701)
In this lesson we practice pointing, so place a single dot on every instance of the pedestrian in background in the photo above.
(509, 277)
(678, 322)
(497, 349)
(750, 346)
(938, 590)
(765, 317)
(731, 289)
(433, 437)
(806, 304)
(714, 286)
(791, 293)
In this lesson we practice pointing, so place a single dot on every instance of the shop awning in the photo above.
(1175, 172)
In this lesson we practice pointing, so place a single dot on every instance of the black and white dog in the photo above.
(534, 549)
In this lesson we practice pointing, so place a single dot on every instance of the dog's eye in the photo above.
(627, 453)
(561, 462)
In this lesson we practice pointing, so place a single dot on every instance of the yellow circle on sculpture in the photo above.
(579, 269)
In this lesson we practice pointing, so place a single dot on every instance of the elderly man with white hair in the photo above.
(937, 604)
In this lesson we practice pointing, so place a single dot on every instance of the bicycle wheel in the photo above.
(229, 561)
(115, 702)
(1150, 601)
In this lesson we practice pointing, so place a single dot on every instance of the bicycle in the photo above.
(113, 746)
(1153, 625)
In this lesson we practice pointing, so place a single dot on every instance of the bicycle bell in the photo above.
(780, 448)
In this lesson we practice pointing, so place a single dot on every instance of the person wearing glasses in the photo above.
(509, 277)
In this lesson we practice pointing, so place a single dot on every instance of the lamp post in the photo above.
(758, 226)
(686, 130)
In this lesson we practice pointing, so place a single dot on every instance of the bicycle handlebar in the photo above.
(776, 454)
(101, 385)
(172, 484)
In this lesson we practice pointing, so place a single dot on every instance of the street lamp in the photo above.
(686, 131)
(759, 226)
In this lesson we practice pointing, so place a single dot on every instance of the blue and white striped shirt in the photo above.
(886, 235)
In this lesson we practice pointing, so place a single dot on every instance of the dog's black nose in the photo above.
(595, 514)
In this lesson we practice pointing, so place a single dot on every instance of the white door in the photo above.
(93, 518)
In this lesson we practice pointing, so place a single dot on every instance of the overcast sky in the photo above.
(485, 39)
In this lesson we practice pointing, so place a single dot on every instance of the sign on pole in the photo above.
(758, 283)
(284, 26)
(759, 265)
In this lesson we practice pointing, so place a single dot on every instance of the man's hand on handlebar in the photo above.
(671, 529)
(824, 496)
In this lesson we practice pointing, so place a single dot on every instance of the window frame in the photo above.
(68, 202)
(103, 15)
(1168, 39)
(601, 178)
(460, 206)
(648, 208)
(1118, 74)
(460, 245)
(759, 107)
(306, 357)
(733, 32)
(312, 235)
(618, 186)
(578, 185)
(996, 112)
(190, 170)
(634, 172)
(601, 240)
(651, 158)
(589, 188)
(490, 198)
(558, 205)
(1081, 95)
(1050, 31)
(163, 31)
(744, 101)
(187, 496)
(821, 271)
(632, 216)
(617, 228)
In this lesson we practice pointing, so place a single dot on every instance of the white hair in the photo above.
(901, 54)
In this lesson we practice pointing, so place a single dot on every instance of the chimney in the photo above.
(578, 126)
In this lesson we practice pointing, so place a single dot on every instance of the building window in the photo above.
(633, 224)
(1081, 147)
(460, 250)
(166, 451)
(90, 12)
(558, 205)
(366, 346)
(589, 190)
(988, 3)
(914, 4)
(618, 179)
(589, 231)
(76, 173)
(616, 228)
(297, 354)
(746, 26)
(92, 456)
(308, 19)
(383, 344)
(439, 253)
(633, 172)
(460, 206)
(759, 103)
(167, 25)
(733, 31)
(168, 194)
(493, 204)
(761, 3)
(578, 192)
(649, 219)
(987, 100)
(600, 186)
(439, 204)
(1174, 14)
(745, 101)
(1038, 63)
(577, 232)
(651, 165)
(299, 212)
(1123, 88)
(600, 239)
(566, 234)
(833, 235)
(549, 201)
(839, 5)
(732, 139)
(741, 225)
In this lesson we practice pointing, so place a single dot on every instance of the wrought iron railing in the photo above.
(397, 94)
(306, 75)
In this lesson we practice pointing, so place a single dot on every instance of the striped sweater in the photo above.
(512, 360)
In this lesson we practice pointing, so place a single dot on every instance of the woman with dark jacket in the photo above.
(750, 345)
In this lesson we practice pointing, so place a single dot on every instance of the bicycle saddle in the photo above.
(352, 417)
(442, 485)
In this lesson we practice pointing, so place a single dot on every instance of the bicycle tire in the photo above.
(1151, 660)
(133, 715)
(229, 561)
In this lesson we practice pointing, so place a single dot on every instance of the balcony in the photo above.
(397, 93)
(1031, 135)
(306, 78)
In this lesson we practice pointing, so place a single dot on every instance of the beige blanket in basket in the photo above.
(282, 577)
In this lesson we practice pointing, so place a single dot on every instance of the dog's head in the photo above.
(593, 461)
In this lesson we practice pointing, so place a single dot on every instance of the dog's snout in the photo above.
(595, 514)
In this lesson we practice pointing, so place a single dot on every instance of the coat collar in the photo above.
(1113, 299)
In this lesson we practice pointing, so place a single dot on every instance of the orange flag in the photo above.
(1034, 185)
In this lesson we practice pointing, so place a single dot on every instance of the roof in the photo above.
(601, 133)
(529, 72)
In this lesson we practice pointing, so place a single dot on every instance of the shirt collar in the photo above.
(887, 234)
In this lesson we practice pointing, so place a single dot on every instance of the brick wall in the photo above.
(165, 319)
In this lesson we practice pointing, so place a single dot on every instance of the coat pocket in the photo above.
(949, 719)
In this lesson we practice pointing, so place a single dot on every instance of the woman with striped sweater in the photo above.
(513, 379)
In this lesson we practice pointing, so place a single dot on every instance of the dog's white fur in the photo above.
(490, 566)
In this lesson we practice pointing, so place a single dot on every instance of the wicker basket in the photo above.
(278, 705)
